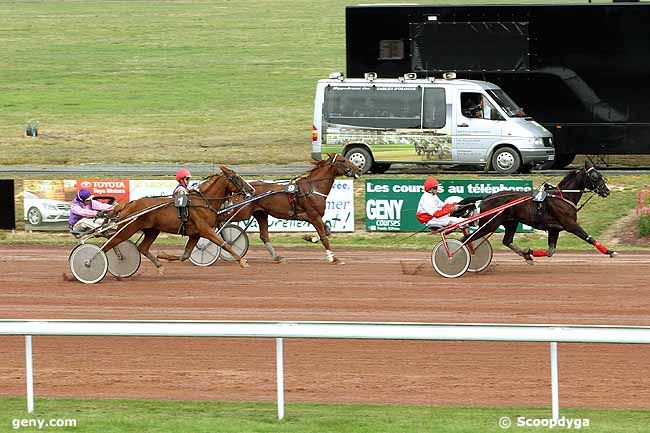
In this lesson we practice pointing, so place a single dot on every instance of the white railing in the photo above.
(348, 330)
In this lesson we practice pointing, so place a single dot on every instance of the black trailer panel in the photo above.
(582, 70)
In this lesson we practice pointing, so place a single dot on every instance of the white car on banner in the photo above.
(44, 210)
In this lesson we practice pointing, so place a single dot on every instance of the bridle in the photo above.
(341, 166)
(233, 179)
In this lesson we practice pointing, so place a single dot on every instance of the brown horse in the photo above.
(203, 206)
(558, 211)
(303, 198)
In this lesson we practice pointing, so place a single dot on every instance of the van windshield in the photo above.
(509, 106)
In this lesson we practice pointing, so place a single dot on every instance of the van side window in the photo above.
(476, 106)
(435, 111)
(373, 107)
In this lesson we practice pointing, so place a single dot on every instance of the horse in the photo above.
(304, 198)
(555, 210)
(204, 203)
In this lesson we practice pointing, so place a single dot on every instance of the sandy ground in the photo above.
(392, 285)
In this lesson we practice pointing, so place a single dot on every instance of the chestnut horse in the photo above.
(558, 211)
(304, 198)
(203, 206)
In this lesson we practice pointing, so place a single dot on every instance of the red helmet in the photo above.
(182, 173)
(431, 182)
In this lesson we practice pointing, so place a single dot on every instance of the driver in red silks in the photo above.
(432, 211)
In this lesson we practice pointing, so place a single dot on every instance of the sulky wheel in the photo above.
(205, 253)
(450, 266)
(237, 238)
(88, 263)
(480, 255)
(124, 259)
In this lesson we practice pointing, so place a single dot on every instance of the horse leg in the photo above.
(150, 236)
(263, 222)
(575, 229)
(508, 238)
(316, 239)
(552, 243)
(319, 225)
(189, 246)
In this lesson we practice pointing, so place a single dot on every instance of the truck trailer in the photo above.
(581, 70)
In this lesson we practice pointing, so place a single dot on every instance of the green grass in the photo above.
(166, 81)
(644, 225)
(126, 416)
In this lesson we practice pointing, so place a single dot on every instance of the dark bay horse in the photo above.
(203, 207)
(557, 212)
(303, 198)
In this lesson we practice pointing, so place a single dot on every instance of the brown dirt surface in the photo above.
(394, 286)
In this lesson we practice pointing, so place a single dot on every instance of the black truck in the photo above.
(581, 70)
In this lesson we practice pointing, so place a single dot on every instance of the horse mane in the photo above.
(570, 176)
(318, 164)
(208, 182)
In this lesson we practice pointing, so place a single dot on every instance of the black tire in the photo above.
(360, 157)
(380, 168)
(506, 160)
(34, 216)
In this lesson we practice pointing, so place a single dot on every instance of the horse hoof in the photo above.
(339, 262)
(530, 261)
(161, 271)
(280, 259)
(244, 264)
(613, 254)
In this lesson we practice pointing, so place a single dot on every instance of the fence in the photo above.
(343, 330)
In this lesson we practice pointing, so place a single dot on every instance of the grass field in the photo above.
(132, 416)
(134, 81)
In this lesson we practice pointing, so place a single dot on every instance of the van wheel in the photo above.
(506, 161)
(380, 168)
(361, 158)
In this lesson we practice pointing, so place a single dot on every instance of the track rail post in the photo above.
(279, 365)
(555, 386)
(29, 373)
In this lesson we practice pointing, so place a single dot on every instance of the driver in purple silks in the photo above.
(85, 213)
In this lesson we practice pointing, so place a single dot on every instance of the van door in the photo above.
(477, 127)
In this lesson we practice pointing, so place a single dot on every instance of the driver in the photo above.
(181, 193)
(85, 213)
(432, 211)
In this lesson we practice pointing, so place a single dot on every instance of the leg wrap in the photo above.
(539, 253)
(601, 247)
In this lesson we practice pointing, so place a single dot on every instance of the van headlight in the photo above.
(539, 141)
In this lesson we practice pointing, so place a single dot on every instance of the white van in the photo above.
(375, 122)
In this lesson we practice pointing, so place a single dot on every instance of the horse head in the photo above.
(343, 166)
(593, 180)
(235, 184)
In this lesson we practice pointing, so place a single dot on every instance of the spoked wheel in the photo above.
(205, 253)
(124, 260)
(482, 255)
(88, 263)
(450, 266)
(237, 238)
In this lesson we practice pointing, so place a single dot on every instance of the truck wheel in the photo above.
(506, 161)
(361, 158)
(380, 168)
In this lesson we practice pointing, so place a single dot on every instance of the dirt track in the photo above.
(372, 286)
